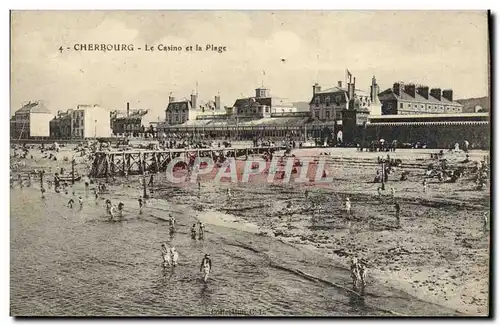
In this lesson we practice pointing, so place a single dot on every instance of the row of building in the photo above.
(331, 105)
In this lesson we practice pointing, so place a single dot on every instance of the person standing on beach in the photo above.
(87, 183)
(165, 254)
(393, 192)
(485, 221)
(193, 232)
(42, 190)
(229, 194)
(120, 209)
(96, 194)
(206, 266)
(379, 191)
(140, 205)
(174, 256)
(112, 211)
(348, 206)
(355, 273)
(70, 203)
(398, 211)
(201, 232)
(80, 201)
(358, 275)
(424, 184)
(108, 207)
(171, 222)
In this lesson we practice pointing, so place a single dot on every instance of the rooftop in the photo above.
(134, 114)
(34, 107)
(389, 94)
(336, 89)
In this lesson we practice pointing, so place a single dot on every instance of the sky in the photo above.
(446, 49)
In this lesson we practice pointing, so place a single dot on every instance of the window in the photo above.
(416, 106)
(316, 114)
(316, 100)
(409, 105)
(389, 106)
(421, 106)
(327, 101)
(267, 109)
(400, 105)
(327, 114)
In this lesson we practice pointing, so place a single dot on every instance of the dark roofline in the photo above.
(420, 98)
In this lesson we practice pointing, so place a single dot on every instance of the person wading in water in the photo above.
(206, 266)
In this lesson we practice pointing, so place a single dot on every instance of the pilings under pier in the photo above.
(122, 163)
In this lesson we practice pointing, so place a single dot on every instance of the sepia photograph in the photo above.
(244, 163)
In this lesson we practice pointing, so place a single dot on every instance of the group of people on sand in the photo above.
(170, 256)
(201, 231)
(114, 210)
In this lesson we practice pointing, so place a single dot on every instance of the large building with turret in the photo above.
(181, 111)
(262, 105)
(328, 104)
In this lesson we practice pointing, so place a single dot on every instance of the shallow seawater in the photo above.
(74, 262)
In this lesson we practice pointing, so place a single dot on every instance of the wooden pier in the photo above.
(122, 163)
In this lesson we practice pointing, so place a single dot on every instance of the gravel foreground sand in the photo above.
(440, 254)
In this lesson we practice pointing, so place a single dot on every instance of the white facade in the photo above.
(40, 124)
(97, 122)
(90, 121)
(375, 108)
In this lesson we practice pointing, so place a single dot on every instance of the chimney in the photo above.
(128, 109)
(217, 102)
(350, 89)
(423, 91)
(397, 88)
(316, 88)
(448, 94)
(374, 91)
(410, 90)
(436, 93)
(171, 98)
(194, 98)
(340, 83)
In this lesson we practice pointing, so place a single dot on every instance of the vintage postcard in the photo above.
(250, 163)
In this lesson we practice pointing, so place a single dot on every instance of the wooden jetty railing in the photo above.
(122, 163)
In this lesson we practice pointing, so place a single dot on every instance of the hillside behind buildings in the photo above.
(470, 104)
